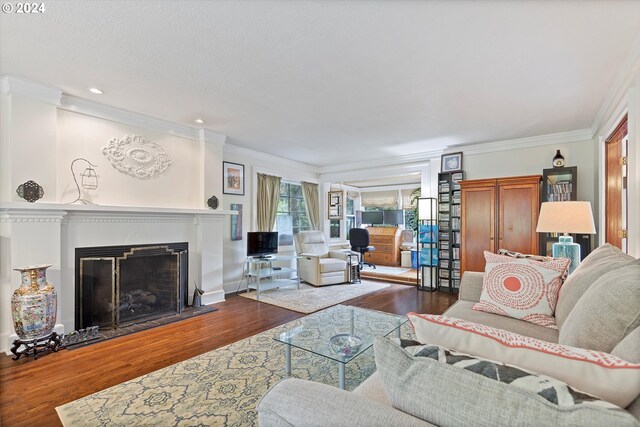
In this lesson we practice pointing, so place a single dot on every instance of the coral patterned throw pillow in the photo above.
(522, 288)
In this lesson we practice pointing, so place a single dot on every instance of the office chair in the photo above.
(359, 241)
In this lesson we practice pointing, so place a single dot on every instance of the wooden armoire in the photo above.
(498, 213)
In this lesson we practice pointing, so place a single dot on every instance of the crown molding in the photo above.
(107, 112)
(207, 135)
(411, 186)
(270, 158)
(404, 160)
(618, 90)
(411, 160)
(15, 85)
(532, 141)
(374, 172)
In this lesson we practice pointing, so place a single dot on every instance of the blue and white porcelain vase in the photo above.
(34, 304)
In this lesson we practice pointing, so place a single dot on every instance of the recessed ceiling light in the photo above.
(96, 91)
(199, 121)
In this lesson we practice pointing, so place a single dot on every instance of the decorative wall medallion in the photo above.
(213, 202)
(30, 191)
(137, 156)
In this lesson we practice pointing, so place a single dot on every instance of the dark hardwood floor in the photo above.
(31, 389)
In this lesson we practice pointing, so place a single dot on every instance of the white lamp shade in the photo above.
(426, 208)
(566, 217)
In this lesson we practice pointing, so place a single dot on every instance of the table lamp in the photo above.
(566, 217)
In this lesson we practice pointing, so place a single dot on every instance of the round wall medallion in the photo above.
(30, 191)
(213, 202)
(137, 156)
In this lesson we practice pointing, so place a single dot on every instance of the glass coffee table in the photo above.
(315, 331)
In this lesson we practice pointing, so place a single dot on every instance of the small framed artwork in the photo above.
(451, 162)
(232, 178)
(335, 204)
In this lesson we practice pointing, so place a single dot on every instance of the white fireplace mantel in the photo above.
(97, 210)
(48, 233)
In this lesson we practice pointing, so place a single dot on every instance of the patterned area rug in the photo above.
(312, 298)
(219, 388)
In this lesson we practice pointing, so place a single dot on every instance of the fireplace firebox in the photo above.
(119, 286)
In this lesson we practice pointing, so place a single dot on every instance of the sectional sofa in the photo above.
(597, 312)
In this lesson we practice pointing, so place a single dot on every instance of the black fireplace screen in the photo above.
(118, 286)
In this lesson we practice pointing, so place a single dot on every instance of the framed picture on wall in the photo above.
(335, 205)
(232, 178)
(451, 162)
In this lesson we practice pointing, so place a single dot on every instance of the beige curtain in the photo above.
(406, 199)
(312, 200)
(268, 196)
(379, 199)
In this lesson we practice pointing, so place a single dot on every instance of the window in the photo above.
(334, 229)
(292, 213)
(410, 220)
(350, 215)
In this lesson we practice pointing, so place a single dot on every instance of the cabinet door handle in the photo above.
(500, 237)
(491, 238)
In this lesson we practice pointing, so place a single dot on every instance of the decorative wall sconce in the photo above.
(88, 180)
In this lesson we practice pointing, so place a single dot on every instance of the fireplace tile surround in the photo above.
(50, 232)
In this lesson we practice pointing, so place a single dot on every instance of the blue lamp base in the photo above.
(565, 248)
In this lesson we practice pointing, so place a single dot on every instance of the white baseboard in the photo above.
(213, 297)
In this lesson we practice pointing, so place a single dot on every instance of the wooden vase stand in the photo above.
(35, 346)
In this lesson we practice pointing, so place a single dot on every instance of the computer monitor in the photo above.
(372, 217)
(393, 217)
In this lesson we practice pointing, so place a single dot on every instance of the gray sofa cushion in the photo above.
(462, 310)
(629, 348)
(634, 408)
(471, 286)
(451, 389)
(372, 388)
(606, 313)
(599, 262)
(300, 403)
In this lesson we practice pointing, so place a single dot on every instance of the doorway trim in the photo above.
(630, 106)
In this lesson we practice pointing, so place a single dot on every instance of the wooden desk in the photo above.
(387, 242)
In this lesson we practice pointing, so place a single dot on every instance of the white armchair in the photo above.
(320, 266)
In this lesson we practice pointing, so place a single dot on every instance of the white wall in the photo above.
(532, 160)
(43, 131)
(30, 144)
(84, 136)
(254, 162)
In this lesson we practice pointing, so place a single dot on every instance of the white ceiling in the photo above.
(330, 82)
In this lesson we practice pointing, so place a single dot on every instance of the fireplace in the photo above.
(119, 286)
